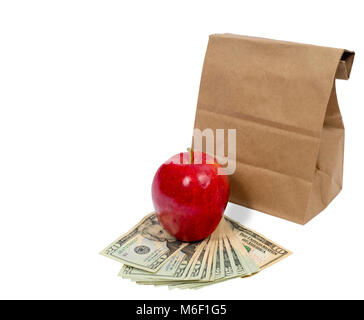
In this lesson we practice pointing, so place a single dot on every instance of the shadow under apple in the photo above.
(238, 213)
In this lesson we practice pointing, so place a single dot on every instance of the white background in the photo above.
(95, 95)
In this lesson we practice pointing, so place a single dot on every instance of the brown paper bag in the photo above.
(281, 99)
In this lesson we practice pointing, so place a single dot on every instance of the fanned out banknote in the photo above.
(151, 256)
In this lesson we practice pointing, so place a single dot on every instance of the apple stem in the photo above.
(191, 155)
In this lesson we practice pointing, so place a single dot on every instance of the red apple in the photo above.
(189, 196)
